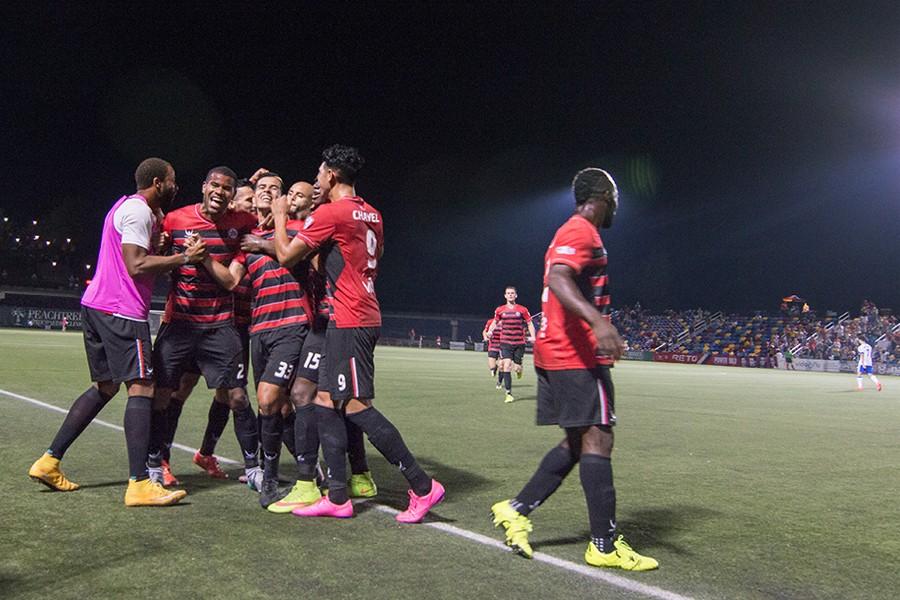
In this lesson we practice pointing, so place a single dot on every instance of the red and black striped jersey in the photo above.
(512, 322)
(278, 298)
(243, 303)
(195, 297)
(349, 236)
(564, 340)
(494, 340)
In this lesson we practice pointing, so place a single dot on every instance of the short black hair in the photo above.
(592, 183)
(346, 160)
(222, 170)
(269, 174)
(243, 182)
(150, 169)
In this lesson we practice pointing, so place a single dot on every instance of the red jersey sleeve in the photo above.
(526, 315)
(573, 247)
(318, 227)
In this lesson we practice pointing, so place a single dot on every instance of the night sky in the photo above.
(756, 145)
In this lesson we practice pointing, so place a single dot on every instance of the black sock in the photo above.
(287, 433)
(499, 377)
(507, 381)
(387, 440)
(271, 443)
(306, 439)
(159, 424)
(85, 408)
(137, 435)
(215, 426)
(597, 481)
(247, 432)
(356, 448)
(173, 413)
(333, 436)
(554, 467)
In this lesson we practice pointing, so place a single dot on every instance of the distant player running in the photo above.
(574, 351)
(493, 350)
(115, 309)
(349, 236)
(512, 319)
(864, 365)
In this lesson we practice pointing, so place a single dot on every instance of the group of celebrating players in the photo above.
(288, 281)
(294, 282)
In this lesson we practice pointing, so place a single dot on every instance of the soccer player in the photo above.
(200, 313)
(115, 309)
(300, 200)
(492, 337)
(512, 320)
(864, 365)
(243, 197)
(574, 351)
(348, 234)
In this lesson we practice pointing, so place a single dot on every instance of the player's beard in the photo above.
(166, 199)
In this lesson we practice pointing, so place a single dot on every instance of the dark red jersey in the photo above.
(195, 297)
(349, 236)
(512, 321)
(564, 340)
(278, 298)
(243, 303)
(494, 340)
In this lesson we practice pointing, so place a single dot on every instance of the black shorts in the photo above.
(219, 353)
(349, 363)
(493, 354)
(117, 349)
(275, 354)
(515, 352)
(575, 397)
(311, 356)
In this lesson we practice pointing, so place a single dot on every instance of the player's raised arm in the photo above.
(562, 283)
(228, 277)
(288, 251)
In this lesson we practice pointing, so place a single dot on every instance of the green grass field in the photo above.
(743, 483)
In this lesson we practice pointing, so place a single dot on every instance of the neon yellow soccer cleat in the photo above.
(302, 494)
(517, 527)
(362, 486)
(46, 470)
(624, 557)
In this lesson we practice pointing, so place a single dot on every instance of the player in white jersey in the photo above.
(864, 366)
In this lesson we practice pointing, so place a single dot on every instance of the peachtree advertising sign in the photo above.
(40, 318)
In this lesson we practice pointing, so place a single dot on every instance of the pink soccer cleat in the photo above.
(420, 505)
(324, 507)
(878, 386)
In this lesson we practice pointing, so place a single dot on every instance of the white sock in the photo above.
(859, 382)
(873, 378)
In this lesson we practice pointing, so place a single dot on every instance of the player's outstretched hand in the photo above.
(162, 242)
(251, 243)
(195, 250)
(609, 342)
(280, 206)
(255, 177)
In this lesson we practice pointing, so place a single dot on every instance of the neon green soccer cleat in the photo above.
(624, 557)
(517, 527)
(362, 485)
(508, 399)
(302, 494)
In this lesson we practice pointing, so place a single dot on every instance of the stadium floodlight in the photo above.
(6, 219)
(53, 263)
(47, 242)
(68, 240)
(34, 222)
(37, 237)
(17, 240)
(87, 266)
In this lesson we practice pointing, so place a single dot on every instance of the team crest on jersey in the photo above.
(232, 233)
(308, 222)
(188, 233)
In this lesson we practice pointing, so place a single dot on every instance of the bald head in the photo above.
(300, 199)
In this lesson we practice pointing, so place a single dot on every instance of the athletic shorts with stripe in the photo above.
(575, 397)
(348, 369)
(218, 352)
(515, 352)
(312, 355)
(117, 349)
(275, 354)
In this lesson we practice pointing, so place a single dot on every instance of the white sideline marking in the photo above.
(591, 572)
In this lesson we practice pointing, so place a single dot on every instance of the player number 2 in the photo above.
(240, 374)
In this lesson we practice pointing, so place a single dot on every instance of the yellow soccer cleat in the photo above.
(517, 527)
(362, 486)
(508, 399)
(518, 374)
(147, 492)
(302, 494)
(624, 557)
(46, 470)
